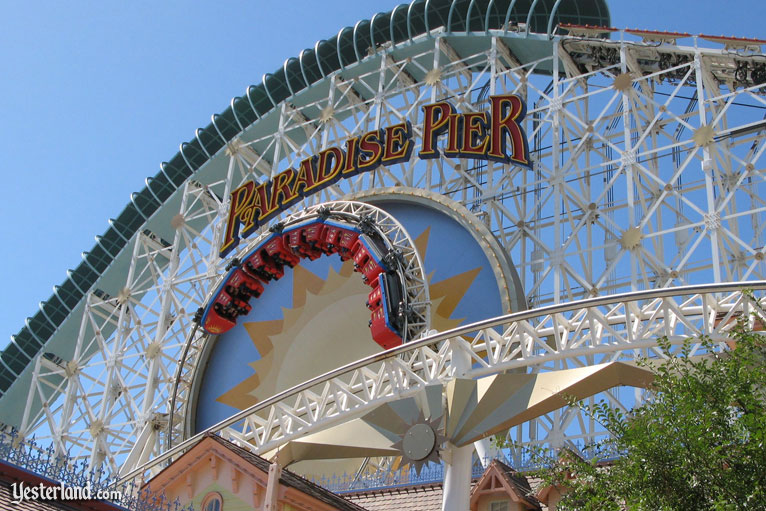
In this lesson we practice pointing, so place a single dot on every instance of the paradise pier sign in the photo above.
(494, 135)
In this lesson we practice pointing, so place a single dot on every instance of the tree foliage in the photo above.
(697, 442)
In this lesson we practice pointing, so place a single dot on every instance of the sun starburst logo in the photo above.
(326, 326)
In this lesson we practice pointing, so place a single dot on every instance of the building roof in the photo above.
(427, 497)
(499, 477)
(287, 477)
(520, 482)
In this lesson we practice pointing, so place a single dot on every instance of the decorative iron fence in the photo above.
(61, 469)
(433, 473)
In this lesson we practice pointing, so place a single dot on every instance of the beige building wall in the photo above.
(214, 466)
(499, 502)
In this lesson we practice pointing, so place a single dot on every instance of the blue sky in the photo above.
(94, 95)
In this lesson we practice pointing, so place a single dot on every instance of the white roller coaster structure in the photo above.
(643, 216)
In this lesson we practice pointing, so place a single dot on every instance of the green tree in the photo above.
(697, 442)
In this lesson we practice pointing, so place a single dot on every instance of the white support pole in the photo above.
(272, 487)
(112, 352)
(457, 460)
(457, 477)
(72, 386)
(166, 303)
(627, 162)
(486, 451)
(712, 219)
(558, 180)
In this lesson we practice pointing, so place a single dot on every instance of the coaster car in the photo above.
(330, 242)
(312, 239)
(229, 301)
(375, 297)
(262, 266)
(346, 241)
(295, 239)
(243, 286)
(314, 234)
(276, 248)
(385, 322)
(218, 316)
(368, 259)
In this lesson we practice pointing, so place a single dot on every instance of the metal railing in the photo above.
(60, 469)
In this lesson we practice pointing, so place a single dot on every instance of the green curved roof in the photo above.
(350, 45)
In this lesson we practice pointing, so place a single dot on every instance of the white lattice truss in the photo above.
(587, 332)
(648, 175)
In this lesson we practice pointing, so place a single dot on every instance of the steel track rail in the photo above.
(629, 297)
